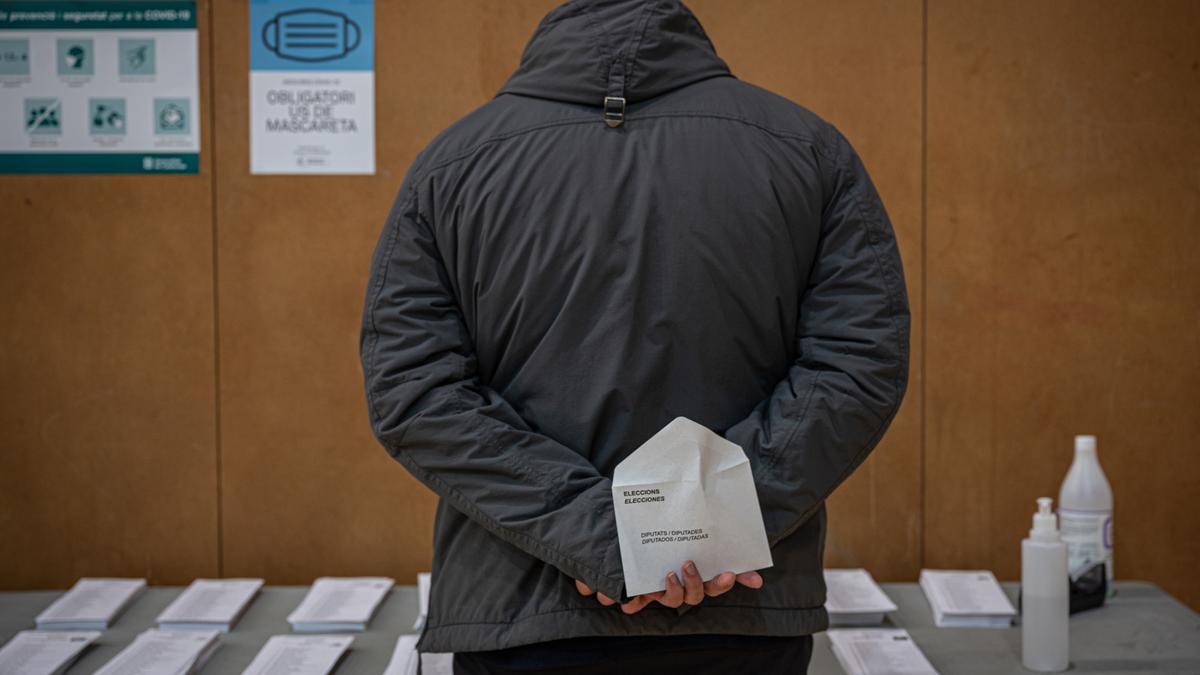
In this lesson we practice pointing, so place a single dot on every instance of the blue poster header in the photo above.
(312, 35)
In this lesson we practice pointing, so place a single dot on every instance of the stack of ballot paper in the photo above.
(424, 579)
(339, 604)
(852, 598)
(404, 660)
(299, 655)
(686, 494)
(156, 652)
(966, 599)
(91, 604)
(209, 604)
(43, 653)
(879, 651)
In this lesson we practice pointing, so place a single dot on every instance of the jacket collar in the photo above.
(587, 51)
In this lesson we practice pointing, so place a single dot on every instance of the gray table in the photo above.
(1142, 630)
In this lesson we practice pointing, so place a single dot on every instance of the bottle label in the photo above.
(1089, 540)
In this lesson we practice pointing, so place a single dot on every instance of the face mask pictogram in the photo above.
(311, 35)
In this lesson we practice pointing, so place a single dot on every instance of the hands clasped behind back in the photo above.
(691, 591)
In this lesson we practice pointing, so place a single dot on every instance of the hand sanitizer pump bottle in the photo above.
(1045, 602)
(1085, 511)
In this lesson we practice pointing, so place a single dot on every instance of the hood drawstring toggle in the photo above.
(614, 102)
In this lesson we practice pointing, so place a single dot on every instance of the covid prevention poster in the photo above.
(312, 87)
(99, 86)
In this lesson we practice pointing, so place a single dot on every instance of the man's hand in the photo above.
(691, 591)
(634, 605)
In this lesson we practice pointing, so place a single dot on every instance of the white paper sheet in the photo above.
(155, 652)
(32, 652)
(404, 657)
(91, 604)
(299, 655)
(879, 651)
(209, 603)
(687, 494)
(437, 664)
(339, 603)
(424, 580)
(966, 599)
(404, 660)
(853, 598)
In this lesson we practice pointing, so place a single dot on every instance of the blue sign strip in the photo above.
(312, 35)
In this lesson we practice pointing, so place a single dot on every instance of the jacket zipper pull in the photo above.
(614, 102)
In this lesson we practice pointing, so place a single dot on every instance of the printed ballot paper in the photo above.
(336, 604)
(852, 598)
(209, 604)
(156, 651)
(879, 651)
(966, 599)
(35, 652)
(299, 655)
(686, 494)
(91, 604)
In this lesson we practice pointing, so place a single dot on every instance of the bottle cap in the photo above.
(1085, 444)
(1045, 523)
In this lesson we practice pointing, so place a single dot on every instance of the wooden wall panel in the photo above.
(107, 412)
(858, 65)
(307, 490)
(1063, 294)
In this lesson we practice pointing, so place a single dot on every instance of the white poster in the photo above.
(312, 87)
(109, 86)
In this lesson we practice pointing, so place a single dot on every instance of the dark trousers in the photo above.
(656, 655)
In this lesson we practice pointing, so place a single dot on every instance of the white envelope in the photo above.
(687, 494)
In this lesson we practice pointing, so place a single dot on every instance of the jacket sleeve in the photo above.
(851, 366)
(458, 436)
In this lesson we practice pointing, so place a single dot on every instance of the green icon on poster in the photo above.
(14, 57)
(42, 116)
(76, 57)
(172, 115)
(106, 115)
(136, 56)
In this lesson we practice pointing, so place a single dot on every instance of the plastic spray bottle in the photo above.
(1045, 601)
(1085, 511)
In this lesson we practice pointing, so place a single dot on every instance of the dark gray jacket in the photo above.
(624, 234)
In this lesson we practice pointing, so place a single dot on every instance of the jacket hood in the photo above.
(585, 51)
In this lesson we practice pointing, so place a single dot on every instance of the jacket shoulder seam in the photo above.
(780, 133)
(466, 154)
(469, 152)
